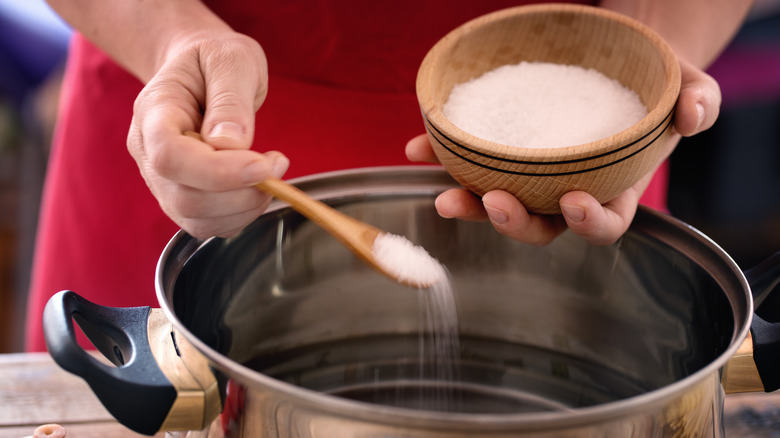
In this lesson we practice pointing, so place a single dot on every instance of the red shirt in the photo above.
(341, 95)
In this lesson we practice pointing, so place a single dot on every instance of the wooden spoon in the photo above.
(357, 236)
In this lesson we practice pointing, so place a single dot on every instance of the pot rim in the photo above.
(683, 237)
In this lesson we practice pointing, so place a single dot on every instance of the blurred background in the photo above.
(725, 182)
(33, 48)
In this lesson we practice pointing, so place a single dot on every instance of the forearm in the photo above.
(698, 30)
(139, 35)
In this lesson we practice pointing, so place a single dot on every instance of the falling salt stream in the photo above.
(439, 347)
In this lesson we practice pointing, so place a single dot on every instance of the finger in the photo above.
(188, 203)
(204, 214)
(194, 163)
(419, 149)
(460, 204)
(162, 111)
(236, 85)
(509, 217)
(223, 226)
(699, 102)
(599, 225)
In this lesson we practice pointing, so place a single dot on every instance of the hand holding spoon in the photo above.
(390, 254)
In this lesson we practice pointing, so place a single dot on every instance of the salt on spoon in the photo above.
(410, 263)
(393, 255)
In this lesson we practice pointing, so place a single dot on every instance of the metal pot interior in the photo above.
(550, 328)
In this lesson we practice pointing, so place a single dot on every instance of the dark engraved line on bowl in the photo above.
(664, 124)
(574, 172)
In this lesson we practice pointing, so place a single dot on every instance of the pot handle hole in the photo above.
(765, 327)
(132, 388)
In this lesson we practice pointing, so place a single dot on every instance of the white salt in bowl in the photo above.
(616, 46)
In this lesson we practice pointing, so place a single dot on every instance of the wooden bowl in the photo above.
(591, 37)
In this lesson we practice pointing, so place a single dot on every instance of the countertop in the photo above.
(35, 391)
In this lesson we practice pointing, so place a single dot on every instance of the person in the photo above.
(285, 89)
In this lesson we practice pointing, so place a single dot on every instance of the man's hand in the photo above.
(213, 86)
(696, 110)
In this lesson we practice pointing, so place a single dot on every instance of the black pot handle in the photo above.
(135, 391)
(765, 328)
(763, 279)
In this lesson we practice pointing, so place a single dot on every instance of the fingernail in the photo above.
(573, 212)
(227, 130)
(280, 166)
(254, 172)
(700, 115)
(498, 217)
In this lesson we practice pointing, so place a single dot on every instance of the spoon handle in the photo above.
(357, 235)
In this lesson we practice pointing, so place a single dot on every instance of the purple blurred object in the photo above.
(33, 44)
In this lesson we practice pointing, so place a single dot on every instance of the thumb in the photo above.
(231, 99)
(699, 102)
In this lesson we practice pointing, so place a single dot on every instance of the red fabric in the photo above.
(656, 194)
(99, 233)
(341, 94)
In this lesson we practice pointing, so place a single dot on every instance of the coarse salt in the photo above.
(542, 105)
(406, 261)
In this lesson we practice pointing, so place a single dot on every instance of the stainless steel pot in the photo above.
(280, 331)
